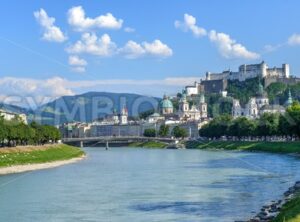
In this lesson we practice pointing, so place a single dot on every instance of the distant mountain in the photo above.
(90, 106)
(15, 109)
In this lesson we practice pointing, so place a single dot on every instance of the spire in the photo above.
(202, 98)
(289, 101)
(183, 97)
(260, 89)
(124, 111)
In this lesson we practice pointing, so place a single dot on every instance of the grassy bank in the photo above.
(290, 211)
(37, 154)
(149, 144)
(273, 147)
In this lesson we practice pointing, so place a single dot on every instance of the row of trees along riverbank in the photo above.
(164, 131)
(15, 133)
(286, 126)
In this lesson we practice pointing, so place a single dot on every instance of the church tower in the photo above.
(261, 97)
(115, 116)
(183, 105)
(203, 106)
(289, 101)
(124, 116)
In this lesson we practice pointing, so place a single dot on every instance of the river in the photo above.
(132, 185)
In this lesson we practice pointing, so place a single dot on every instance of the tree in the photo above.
(268, 124)
(242, 127)
(276, 91)
(164, 130)
(3, 131)
(293, 113)
(149, 132)
(284, 127)
(179, 132)
(147, 113)
(217, 127)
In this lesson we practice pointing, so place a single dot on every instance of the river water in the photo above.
(129, 185)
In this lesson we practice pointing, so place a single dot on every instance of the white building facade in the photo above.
(7, 115)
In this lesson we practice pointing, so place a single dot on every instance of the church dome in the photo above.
(166, 103)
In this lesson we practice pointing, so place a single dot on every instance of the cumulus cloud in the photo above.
(156, 48)
(77, 19)
(76, 61)
(77, 64)
(229, 48)
(104, 46)
(294, 39)
(132, 50)
(189, 24)
(51, 33)
(91, 44)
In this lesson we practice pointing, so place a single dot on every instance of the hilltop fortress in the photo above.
(217, 82)
(251, 71)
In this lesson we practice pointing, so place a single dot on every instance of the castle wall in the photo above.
(288, 81)
(214, 86)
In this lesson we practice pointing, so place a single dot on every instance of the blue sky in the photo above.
(141, 49)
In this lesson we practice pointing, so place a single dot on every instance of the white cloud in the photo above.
(294, 39)
(19, 91)
(189, 24)
(272, 48)
(51, 33)
(132, 50)
(229, 48)
(76, 61)
(128, 29)
(78, 64)
(156, 48)
(77, 19)
(91, 44)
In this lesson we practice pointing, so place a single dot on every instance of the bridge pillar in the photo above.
(107, 145)
(81, 144)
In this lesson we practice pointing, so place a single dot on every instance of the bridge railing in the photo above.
(105, 138)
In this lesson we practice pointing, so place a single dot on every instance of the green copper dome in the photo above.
(165, 103)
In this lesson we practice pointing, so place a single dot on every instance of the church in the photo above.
(185, 111)
(258, 105)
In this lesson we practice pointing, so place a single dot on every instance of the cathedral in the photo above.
(185, 112)
(195, 112)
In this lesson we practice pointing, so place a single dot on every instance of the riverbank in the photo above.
(149, 144)
(289, 211)
(272, 147)
(21, 159)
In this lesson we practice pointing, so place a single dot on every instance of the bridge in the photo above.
(123, 140)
